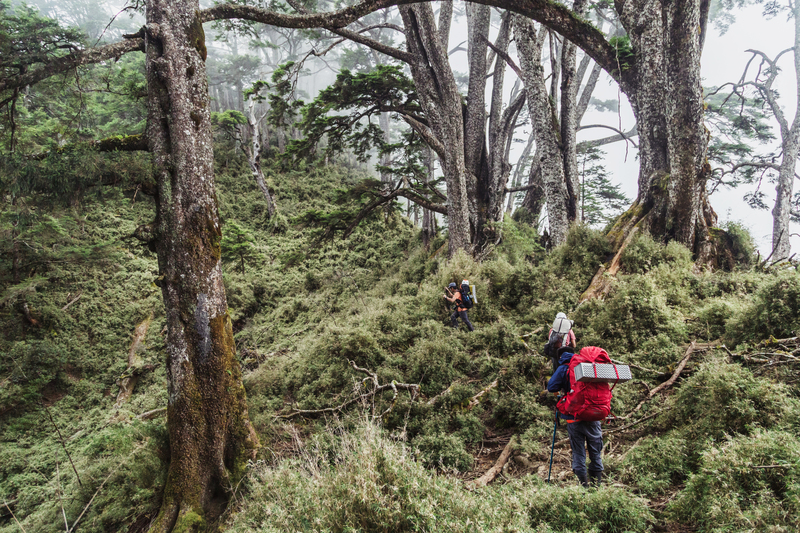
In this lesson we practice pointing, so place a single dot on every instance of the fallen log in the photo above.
(495, 470)
(128, 381)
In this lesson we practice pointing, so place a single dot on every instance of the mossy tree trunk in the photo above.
(667, 97)
(210, 435)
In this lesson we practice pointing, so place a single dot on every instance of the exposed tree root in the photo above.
(413, 388)
(495, 470)
(603, 280)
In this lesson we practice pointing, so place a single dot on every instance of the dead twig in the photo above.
(74, 524)
(78, 297)
(638, 367)
(60, 500)
(149, 415)
(14, 517)
(475, 400)
(624, 428)
(534, 332)
(624, 455)
(63, 444)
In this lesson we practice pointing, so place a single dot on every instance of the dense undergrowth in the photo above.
(717, 452)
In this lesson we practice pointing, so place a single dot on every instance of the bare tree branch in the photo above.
(620, 135)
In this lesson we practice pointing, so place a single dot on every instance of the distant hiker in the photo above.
(560, 334)
(462, 302)
(583, 405)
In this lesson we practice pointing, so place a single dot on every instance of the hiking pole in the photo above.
(552, 447)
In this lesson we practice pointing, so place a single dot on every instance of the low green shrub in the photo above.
(748, 483)
(774, 310)
(575, 509)
(443, 451)
(656, 464)
(722, 398)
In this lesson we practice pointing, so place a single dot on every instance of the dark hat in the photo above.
(567, 349)
(451, 286)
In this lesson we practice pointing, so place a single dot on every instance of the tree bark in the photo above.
(790, 143)
(210, 435)
(253, 153)
(543, 117)
(570, 82)
(441, 101)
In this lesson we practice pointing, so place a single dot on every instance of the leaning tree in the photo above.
(211, 437)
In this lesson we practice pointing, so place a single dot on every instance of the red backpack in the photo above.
(587, 401)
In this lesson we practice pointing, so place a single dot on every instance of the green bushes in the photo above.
(363, 482)
(722, 398)
(747, 483)
(575, 509)
(774, 310)
(657, 464)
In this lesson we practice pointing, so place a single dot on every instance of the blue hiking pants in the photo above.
(463, 315)
(586, 436)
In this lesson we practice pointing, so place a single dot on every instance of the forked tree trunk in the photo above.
(441, 102)
(666, 95)
(210, 435)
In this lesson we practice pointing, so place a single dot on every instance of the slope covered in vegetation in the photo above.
(715, 450)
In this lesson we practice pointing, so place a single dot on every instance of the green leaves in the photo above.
(362, 96)
(238, 245)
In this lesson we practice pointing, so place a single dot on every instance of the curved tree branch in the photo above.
(551, 14)
(385, 199)
(71, 61)
(357, 37)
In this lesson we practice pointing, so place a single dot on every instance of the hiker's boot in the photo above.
(582, 478)
(595, 478)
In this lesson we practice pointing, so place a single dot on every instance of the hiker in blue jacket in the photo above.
(582, 435)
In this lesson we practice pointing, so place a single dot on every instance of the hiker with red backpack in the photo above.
(462, 300)
(583, 405)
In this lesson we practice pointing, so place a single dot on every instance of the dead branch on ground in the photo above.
(475, 400)
(494, 471)
(667, 383)
(660, 373)
(394, 386)
(78, 297)
(632, 424)
(149, 415)
(127, 381)
(14, 517)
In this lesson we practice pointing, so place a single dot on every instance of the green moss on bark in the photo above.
(197, 36)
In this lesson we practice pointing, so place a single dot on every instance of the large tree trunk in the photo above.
(210, 435)
(666, 95)
(546, 126)
(570, 82)
(790, 142)
(441, 101)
